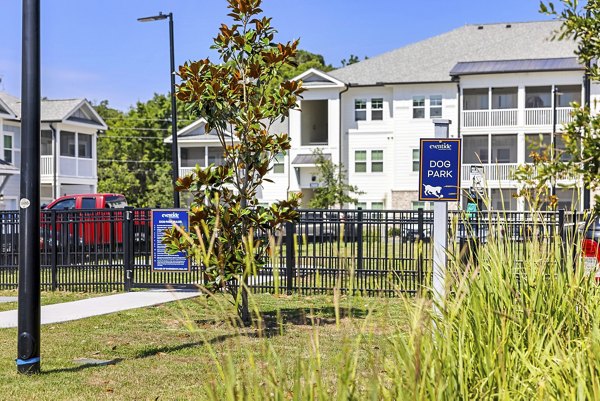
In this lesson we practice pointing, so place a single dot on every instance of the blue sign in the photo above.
(439, 170)
(163, 219)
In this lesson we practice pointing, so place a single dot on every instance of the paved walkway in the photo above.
(99, 306)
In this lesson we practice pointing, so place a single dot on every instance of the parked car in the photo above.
(590, 247)
(86, 221)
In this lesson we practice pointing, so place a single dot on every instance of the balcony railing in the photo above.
(510, 117)
(183, 171)
(543, 116)
(491, 172)
(47, 166)
(490, 118)
(502, 172)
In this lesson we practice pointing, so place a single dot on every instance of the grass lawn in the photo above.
(170, 351)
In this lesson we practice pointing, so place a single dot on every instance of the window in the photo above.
(360, 110)
(504, 148)
(361, 205)
(215, 155)
(568, 94)
(538, 96)
(8, 148)
(504, 98)
(435, 106)
(46, 143)
(476, 99)
(360, 161)
(192, 156)
(416, 159)
(475, 149)
(377, 109)
(84, 146)
(377, 205)
(377, 161)
(538, 143)
(88, 203)
(65, 204)
(278, 163)
(67, 144)
(419, 107)
(416, 205)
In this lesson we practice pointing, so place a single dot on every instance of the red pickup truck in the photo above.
(88, 219)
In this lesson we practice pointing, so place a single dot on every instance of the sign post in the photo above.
(439, 181)
(163, 219)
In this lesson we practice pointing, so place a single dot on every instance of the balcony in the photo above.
(491, 172)
(543, 116)
(510, 117)
(502, 172)
(489, 118)
(77, 167)
(183, 171)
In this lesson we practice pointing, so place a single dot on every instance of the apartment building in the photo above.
(68, 164)
(503, 86)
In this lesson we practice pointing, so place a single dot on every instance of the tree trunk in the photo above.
(243, 307)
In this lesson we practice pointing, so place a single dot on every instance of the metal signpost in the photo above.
(163, 219)
(439, 181)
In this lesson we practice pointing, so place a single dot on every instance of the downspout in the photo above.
(340, 132)
(459, 107)
(54, 163)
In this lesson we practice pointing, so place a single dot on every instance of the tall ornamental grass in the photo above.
(513, 325)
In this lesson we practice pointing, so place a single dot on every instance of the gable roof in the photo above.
(61, 110)
(195, 132)
(313, 78)
(5, 111)
(431, 60)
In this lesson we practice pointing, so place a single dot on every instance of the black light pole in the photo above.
(28, 344)
(174, 150)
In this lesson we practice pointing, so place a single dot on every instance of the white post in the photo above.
(440, 229)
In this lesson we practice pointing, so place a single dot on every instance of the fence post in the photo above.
(359, 245)
(561, 233)
(127, 247)
(290, 257)
(53, 237)
(421, 234)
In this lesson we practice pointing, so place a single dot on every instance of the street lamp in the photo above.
(174, 150)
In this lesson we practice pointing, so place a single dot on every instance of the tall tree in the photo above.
(333, 189)
(241, 96)
(132, 156)
(581, 156)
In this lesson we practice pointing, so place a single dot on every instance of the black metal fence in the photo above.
(367, 252)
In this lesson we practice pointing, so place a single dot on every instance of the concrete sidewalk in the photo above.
(99, 306)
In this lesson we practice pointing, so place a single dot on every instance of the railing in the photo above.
(47, 166)
(490, 118)
(183, 171)
(491, 172)
(543, 116)
(504, 172)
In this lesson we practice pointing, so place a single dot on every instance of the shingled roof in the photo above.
(55, 110)
(431, 60)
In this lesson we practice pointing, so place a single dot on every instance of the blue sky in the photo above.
(96, 48)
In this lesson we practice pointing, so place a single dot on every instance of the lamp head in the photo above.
(158, 17)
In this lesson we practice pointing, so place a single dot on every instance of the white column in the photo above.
(521, 106)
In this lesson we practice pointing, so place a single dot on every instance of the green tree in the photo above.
(132, 156)
(304, 61)
(240, 96)
(353, 59)
(333, 189)
(581, 156)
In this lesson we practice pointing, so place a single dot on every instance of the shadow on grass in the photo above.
(79, 368)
